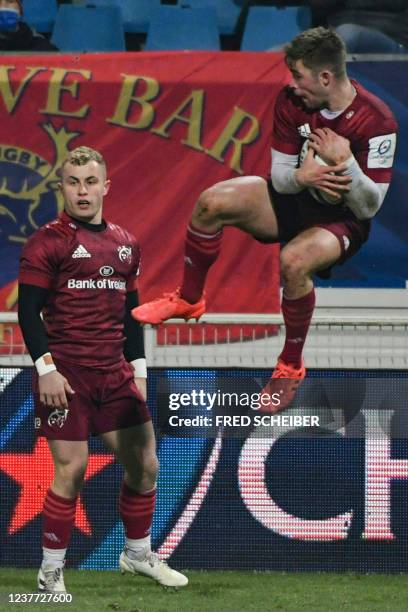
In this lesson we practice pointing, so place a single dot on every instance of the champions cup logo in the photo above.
(29, 194)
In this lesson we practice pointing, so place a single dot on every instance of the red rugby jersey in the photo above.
(367, 123)
(87, 274)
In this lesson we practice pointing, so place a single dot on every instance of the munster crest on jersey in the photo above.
(125, 253)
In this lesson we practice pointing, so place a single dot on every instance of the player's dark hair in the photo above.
(318, 48)
(82, 156)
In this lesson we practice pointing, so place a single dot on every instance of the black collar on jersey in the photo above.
(92, 227)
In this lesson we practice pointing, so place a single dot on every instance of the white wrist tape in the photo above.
(140, 368)
(45, 364)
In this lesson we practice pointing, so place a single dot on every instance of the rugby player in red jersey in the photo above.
(80, 272)
(321, 215)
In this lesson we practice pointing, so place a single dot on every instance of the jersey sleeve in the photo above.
(376, 150)
(39, 259)
(285, 136)
(131, 281)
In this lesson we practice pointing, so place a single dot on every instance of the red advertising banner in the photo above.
(169, 126)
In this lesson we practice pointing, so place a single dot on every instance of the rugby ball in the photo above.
(320, 196)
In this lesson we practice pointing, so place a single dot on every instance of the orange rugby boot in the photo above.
(169, 306)
(283, 384)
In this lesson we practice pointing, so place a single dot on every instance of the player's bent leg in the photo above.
(70, 461)
(312, 250)
(135, 448)
(240, 202)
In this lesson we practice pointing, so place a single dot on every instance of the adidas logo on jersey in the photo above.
(80, 252)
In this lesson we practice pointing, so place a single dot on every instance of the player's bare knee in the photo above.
(70, 476)
(150, 467)
(229, 201)
(211, 205)
(294, 265)
(255, 186)
(143, 469)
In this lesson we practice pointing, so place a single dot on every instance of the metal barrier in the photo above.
(339, 338)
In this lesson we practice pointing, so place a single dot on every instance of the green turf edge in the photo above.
(218, 591)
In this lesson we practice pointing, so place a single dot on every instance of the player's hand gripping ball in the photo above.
(319, 195)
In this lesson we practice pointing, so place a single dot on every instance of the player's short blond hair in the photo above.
(318, 48)
(82, 156)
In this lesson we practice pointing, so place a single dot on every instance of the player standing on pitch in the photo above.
(80, 272)
(321, 215)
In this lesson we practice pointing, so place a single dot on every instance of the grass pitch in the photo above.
(217, 592)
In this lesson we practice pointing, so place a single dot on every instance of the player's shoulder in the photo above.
(54, 231)
(122, 235)
(378, 109)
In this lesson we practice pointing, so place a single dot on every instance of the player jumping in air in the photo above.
(80, 272)
(321, 215)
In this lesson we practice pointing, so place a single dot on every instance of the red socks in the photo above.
(297, 315)
(58, 520)
(200, 252)
(136, 511)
